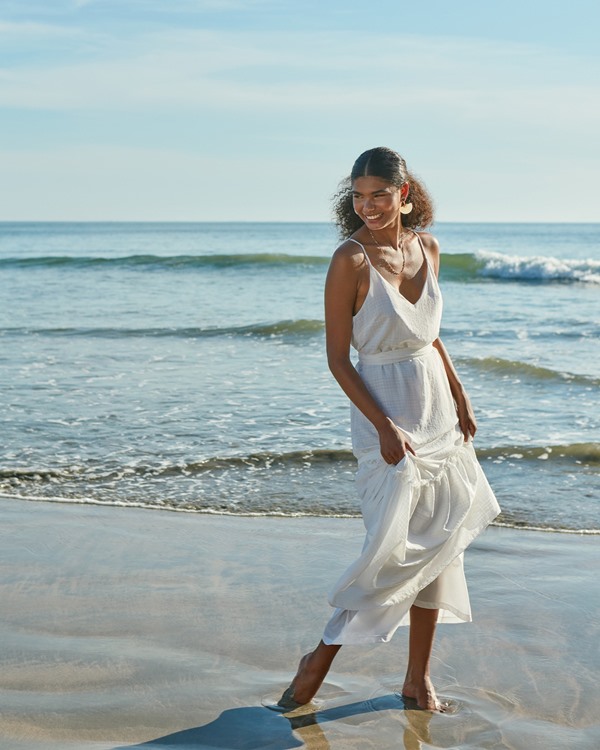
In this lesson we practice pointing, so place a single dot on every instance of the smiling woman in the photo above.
(424, 497)
(395, 180)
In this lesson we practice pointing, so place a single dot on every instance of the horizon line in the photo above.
(265, 221)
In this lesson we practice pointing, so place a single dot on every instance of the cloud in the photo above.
(463, 80)
(487, 122)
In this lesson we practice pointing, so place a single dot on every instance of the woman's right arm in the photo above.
(341, 288)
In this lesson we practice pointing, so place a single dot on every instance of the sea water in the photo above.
(182, 366)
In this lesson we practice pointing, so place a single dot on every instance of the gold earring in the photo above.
(406, 208)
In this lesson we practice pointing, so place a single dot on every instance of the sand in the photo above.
(125, 627)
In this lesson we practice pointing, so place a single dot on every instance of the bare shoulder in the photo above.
(432, 248)
(430, 243)
(348, 257)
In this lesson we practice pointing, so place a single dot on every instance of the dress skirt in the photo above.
(420, 515)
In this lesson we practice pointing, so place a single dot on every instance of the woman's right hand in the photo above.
(394, 443)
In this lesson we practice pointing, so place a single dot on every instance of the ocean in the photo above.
(182, 367)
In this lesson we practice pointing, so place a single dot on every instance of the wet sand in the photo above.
(134, 628)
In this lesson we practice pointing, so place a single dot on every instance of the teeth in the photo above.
(372, 218)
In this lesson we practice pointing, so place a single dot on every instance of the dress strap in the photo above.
(418, 236)
(363, 249)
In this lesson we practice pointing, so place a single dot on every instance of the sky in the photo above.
(253, 110)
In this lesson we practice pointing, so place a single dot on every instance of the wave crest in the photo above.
(538, 268)
(582, 453)
(456, 266)
(500, 366)
(295, 328)
(183, 262)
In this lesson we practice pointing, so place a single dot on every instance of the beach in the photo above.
(177, 491)
(124, 627)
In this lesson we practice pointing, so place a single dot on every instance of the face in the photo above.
(376, 201)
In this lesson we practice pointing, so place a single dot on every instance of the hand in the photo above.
(394, 443)
(466, 417)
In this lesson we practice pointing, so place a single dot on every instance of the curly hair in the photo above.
(388, 165)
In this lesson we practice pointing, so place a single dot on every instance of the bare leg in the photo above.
(417, 683)
(312, 670)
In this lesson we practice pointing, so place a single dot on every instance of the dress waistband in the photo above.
(393, 355)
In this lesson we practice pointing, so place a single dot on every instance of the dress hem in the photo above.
(462, 619)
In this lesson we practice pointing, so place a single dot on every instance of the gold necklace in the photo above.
(400, 247)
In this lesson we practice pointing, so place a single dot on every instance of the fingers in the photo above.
(394, 446)
(395, 457)
(468, 427)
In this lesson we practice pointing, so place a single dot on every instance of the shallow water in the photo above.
(182, 366)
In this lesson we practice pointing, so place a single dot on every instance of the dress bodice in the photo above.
(388, 321)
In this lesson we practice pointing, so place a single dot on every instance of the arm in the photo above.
(341, 289)
(466, 417)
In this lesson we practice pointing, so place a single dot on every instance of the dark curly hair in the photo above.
(388, 165)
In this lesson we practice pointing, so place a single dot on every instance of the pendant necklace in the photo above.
(400, 247)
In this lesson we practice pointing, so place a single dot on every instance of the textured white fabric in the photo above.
(421, 514)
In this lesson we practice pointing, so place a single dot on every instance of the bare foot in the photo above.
(307, 681)
(288, 699)
(423, 694)
(312, 670)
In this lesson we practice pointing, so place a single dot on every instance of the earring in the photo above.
(406, 208)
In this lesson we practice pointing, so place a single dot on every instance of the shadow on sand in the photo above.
(258, 728)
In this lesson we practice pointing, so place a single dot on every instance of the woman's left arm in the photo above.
(466, 417)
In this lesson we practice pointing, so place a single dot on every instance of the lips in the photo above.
(374, 217)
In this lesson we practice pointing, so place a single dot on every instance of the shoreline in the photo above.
(160, 630)
(270, 514)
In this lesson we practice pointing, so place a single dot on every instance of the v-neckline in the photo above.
(398, 292)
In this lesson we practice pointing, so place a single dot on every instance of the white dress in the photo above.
(422, 513)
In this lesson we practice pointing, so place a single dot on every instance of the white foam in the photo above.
(537, 268)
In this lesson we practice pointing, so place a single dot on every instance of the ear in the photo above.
(405, 190)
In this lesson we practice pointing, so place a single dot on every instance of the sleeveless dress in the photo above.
(422, 513)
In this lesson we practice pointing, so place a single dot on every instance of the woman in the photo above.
(423, 494)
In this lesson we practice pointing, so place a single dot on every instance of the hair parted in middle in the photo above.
(388, 165)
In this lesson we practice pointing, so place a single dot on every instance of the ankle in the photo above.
(420, 675)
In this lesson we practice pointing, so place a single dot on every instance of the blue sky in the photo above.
(212, 110)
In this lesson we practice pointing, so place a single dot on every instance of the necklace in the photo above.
(400, 247)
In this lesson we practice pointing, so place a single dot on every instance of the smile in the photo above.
(374, 217)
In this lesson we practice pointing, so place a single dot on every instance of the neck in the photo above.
(389, 235)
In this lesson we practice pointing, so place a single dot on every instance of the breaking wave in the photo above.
(458, 267)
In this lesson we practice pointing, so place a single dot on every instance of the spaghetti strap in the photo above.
(363, 249)
(430, 270)
(418, 236)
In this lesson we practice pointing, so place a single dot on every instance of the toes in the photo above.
(287, 700)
